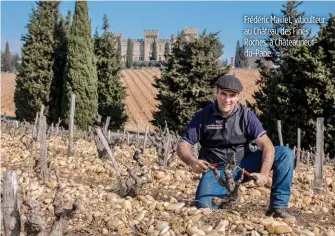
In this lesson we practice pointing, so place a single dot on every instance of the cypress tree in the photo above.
(186, 84)
(237, 55)
(111, 92)
(119, 49)
(80, 74)
(7, 59)
(243, 60)
(35, 74)
(167, 50)
(226, 62)
(16, 62)
(61, 35)
(129, 62)
(154, 51)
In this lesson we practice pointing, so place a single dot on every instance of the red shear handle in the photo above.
(254, 178)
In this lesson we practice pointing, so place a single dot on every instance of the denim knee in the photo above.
(284, 153)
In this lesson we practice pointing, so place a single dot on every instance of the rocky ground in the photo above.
(164, 206)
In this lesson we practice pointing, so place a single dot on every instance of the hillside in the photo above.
(140, 101)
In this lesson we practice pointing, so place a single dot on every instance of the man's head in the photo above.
(228, 90)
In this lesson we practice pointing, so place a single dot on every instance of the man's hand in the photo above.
(200, 166)
(261, 179)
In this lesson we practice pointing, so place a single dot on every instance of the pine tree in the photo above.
(167, 50)
(237, 55)
(111, 92)
(154, 51)
(61, 35)
(7, 59)
(186, 84)
(119, 49)
(35, 74)
(129, 62)
(80, 74)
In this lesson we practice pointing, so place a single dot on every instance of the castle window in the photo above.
(139, 48)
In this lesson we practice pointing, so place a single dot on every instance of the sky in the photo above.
(132, 18)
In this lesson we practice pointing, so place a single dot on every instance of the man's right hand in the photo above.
(200, 166)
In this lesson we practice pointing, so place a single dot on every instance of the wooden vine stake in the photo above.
(11, 211)
(280, 136)
(319, 155)
(145, 138)
(71, 124)
(110, 155)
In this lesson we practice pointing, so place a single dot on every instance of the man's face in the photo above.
(226, 100)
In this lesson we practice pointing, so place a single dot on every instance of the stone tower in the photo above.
(189, 33)
(149, 37)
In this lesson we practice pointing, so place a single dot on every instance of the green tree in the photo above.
(8, 64)
(154, 51)
(16, 62)
(35, 74)
(129, 62)
(272, 97)
(68, 22)
(186, 84)
(325, 41)
(290, 10)
(314, 99)
(111, 92)
(243, 60)
(237, 55)
(119, 49)
(61, 35)
(80, 74)
(167, 50)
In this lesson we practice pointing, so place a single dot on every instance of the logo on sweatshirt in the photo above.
(214, 126)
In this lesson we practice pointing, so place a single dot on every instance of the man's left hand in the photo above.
(261, 178)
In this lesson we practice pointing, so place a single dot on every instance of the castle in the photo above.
(142, 48)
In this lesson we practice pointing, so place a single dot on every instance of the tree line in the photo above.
(60, 57)
(10, 62)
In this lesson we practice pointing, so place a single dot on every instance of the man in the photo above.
(226, 128)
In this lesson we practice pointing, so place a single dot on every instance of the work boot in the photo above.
(280, 213)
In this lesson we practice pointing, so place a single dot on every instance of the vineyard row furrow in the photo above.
(137, 95)
(137, 92)
(139, 84)
(146, 81)
(133, 104)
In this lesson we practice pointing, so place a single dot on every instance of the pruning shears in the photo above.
(220, 164)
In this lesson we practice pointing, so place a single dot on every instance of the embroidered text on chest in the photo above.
(214, 126)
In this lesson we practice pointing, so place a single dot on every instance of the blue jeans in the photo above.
(283, 167)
